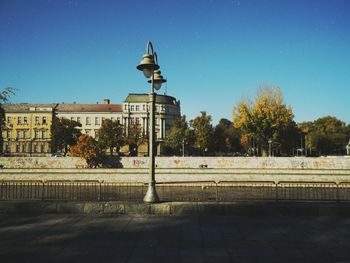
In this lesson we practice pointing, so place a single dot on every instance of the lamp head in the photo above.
(158, 80)
(147, 65)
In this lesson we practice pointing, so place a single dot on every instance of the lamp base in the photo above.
(151, 195)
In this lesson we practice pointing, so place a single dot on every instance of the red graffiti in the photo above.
(177, 162)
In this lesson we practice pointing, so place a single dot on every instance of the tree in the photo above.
(4, 97)
(267, 118)
(88, 149)
(135, 138)
(111, 135)
(179, 137)
(226, 138)
(326, 135)
(6, 94)
(203, 131)
(64, 133)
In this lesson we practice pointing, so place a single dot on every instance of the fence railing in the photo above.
(89, 190)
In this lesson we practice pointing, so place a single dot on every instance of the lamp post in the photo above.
(270, 142)
(149, 66)
(183, 147)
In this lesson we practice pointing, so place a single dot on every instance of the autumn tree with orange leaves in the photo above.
(266, 118)
(88, 149)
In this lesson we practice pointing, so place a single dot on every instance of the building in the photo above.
(34, 138)
(27, 129)
(136, 111)
(90, 116)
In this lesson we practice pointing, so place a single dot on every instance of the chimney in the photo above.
(106, 101)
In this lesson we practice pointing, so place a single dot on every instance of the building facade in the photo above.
(27, 130)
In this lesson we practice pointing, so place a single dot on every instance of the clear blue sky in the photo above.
(212, 52)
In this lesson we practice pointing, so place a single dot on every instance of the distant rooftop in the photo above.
(162, 99)
(89, 108)
(26, 107)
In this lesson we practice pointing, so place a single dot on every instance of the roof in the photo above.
(89, 108)
(162, 99)
(27, 107)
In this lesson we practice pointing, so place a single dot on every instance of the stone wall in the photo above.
(182, 169)
(184, 162)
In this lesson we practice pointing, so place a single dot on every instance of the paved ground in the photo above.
(81, 238)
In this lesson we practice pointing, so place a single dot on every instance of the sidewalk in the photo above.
(245, 208)
(129, 239)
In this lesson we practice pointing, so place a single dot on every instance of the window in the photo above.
(137, 107)
(43, 134)
(88, 132)
(87, 120)
(72, 118)
(96, 134)
(44, 119)
(8, 134)
(25, 120)
(132, 108)
(19, 120)
(36, 119)
(7, 147)
(144, 107)
(9, 120)
(118, 120)
(42, 148)
(103, 118)
(35, 148)
(18, 134)
(137, 120)
(125, 107)
(132, 121)
(163, 108)
(17, 148)
(23, 148)
(25, 134)
(97, 121)
(78, 119)
(36, 135)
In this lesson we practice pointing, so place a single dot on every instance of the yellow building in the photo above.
(27, 129)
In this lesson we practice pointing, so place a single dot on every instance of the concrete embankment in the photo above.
(178, 169)
(177, 208)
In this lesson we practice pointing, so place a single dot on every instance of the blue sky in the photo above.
(213, 53)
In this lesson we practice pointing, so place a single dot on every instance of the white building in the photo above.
(134, 110)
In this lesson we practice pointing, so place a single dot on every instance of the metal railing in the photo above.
(89, 190)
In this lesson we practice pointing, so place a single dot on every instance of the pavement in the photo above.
(191, 238)
(250, 208)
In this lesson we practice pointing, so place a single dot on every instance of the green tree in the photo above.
(326, 135)
(203, 132)
(88, 149)
(226, 139)
(4, 97)
(135, 138)
(64, 133)
(179, 137)
(267, 118)
(111, 135)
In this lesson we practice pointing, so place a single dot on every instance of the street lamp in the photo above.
(270, 142)
(183, 147)
(150, 68)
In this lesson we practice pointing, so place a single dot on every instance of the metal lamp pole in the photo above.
(149, 66)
